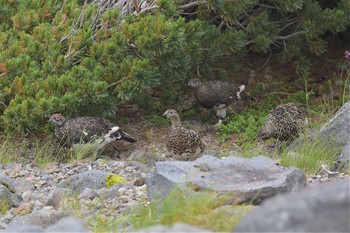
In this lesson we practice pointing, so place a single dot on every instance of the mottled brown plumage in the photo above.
(216, 94)
(85, 129)
(186, 144)
(284, 122)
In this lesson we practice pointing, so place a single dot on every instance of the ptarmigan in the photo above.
(216, 94)
(85, 129)
(186, 144)
(284, 122)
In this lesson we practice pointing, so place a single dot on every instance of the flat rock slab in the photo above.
(248, 179)
(323, 208)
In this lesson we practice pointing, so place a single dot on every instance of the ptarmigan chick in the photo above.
(184, 143)
(285, 122)
(85, 129)
(216, 94)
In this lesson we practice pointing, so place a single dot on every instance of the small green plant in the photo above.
(310, 155)
(82, 150)
(113, 179)
(44, 153)
(4, 206)
(158, 121)
(73, 205)
(245, 126)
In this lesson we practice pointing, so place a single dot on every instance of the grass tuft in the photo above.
(310, 155)
(198, 209)
(9, 152)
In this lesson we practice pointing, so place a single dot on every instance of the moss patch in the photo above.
(113, 179)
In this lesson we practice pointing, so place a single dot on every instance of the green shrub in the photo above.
(244, 126)
(74, 58)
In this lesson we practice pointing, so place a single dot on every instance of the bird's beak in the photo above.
(164, 114)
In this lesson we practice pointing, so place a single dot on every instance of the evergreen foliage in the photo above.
(88, 57)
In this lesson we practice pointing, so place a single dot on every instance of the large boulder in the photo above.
(337, 129)
(345, 154)
(8, 192)
(323, 208)
(248, 179)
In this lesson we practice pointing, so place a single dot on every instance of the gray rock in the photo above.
(23, 185)
(248, 179)
(88, 193)
(67, 224)
(343, 162)
(142, 156)
(345, 154)
(178, 227)
(113, 191)
(322, 208)
(338, 128)
(12, 199)
(94, 179)
(7, 182)
(43, 218)
(24, 229)
(56, 196)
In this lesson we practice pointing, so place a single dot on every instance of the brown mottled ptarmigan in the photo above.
(285, 122)
(185, 144)
(216, 94)
(82, 130)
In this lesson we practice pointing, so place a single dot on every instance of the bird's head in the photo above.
(267, 130)
(172, 115)
(262, 134)
(57, 119)
(195, 83)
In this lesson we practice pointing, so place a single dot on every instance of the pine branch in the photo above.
(114, 84)
(192, 4)
(290, 35)
(2, 103)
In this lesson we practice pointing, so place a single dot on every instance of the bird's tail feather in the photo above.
(127, 137)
